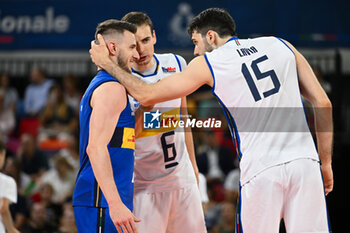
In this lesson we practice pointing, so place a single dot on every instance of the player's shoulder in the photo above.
(264, 40)
(107, 85)
(7, 181)
(168, 57)
(102, 77)
(261, 39)
(171, 58)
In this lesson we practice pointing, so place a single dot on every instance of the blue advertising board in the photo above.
(71, 24)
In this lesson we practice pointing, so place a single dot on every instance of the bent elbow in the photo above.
(90, 149)
(325, 103)
(146, 102)
(146, 99)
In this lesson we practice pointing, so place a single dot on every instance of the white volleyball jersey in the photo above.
(256, 83)
(161, 159)
(8, 189)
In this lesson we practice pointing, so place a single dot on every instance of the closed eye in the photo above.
(145, 40)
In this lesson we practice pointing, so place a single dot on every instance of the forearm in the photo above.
(135, 87)
(102, 167)
(324, 131)
(138, 121)
(7, 220)
(174, 86)
(189, 138)
(190, 149)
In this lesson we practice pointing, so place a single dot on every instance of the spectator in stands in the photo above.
(61, 178)
(214, 161)
(57, 119)
(71, 153)
(7, 116)
(13, 168)
(11, 94)
(72, 94)
(231, 185)
(37, 222)
(53, 210)
(227, 219)
(8, 193)
(37, 92)
(19, 210)
(202, 185)
(67, 222)
(33, 161)
(213, 207)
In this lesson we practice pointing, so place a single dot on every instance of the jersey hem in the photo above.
(83, 203)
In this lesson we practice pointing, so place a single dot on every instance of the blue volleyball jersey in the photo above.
(121, 147)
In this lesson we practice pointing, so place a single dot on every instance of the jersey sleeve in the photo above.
(8, 188)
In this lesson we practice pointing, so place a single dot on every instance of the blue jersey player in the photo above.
(103, 193)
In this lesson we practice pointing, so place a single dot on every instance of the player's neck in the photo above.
(145, 67)
(221, 41)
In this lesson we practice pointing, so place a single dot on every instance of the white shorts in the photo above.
(293, 191)
(176, 211)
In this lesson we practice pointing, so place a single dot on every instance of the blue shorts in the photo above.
(93, 219)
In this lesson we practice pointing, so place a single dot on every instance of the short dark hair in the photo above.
(216, 19)
(138, 19)
(112, 25)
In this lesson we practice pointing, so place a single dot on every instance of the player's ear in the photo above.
(154, 37)
(113, 48)
(211, 37)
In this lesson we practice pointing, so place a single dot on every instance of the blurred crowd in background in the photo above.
(40, 126)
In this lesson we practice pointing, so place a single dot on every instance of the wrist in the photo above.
(107, 64)
(115, 202)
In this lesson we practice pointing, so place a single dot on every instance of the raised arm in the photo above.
(174, 86)
(107, 102)
(312, 91)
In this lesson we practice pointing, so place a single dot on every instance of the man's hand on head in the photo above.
(99, 52)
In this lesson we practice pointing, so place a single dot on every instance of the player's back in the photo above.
(256, 82)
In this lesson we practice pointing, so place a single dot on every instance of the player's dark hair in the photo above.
(139, 19)
(216, 19)
(112, 25)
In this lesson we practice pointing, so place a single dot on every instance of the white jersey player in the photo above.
(270, 131)
(166, 195)
(258, 83)
(8, 195)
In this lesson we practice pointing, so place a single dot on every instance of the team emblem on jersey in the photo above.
(151, 120)
(169, 69)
